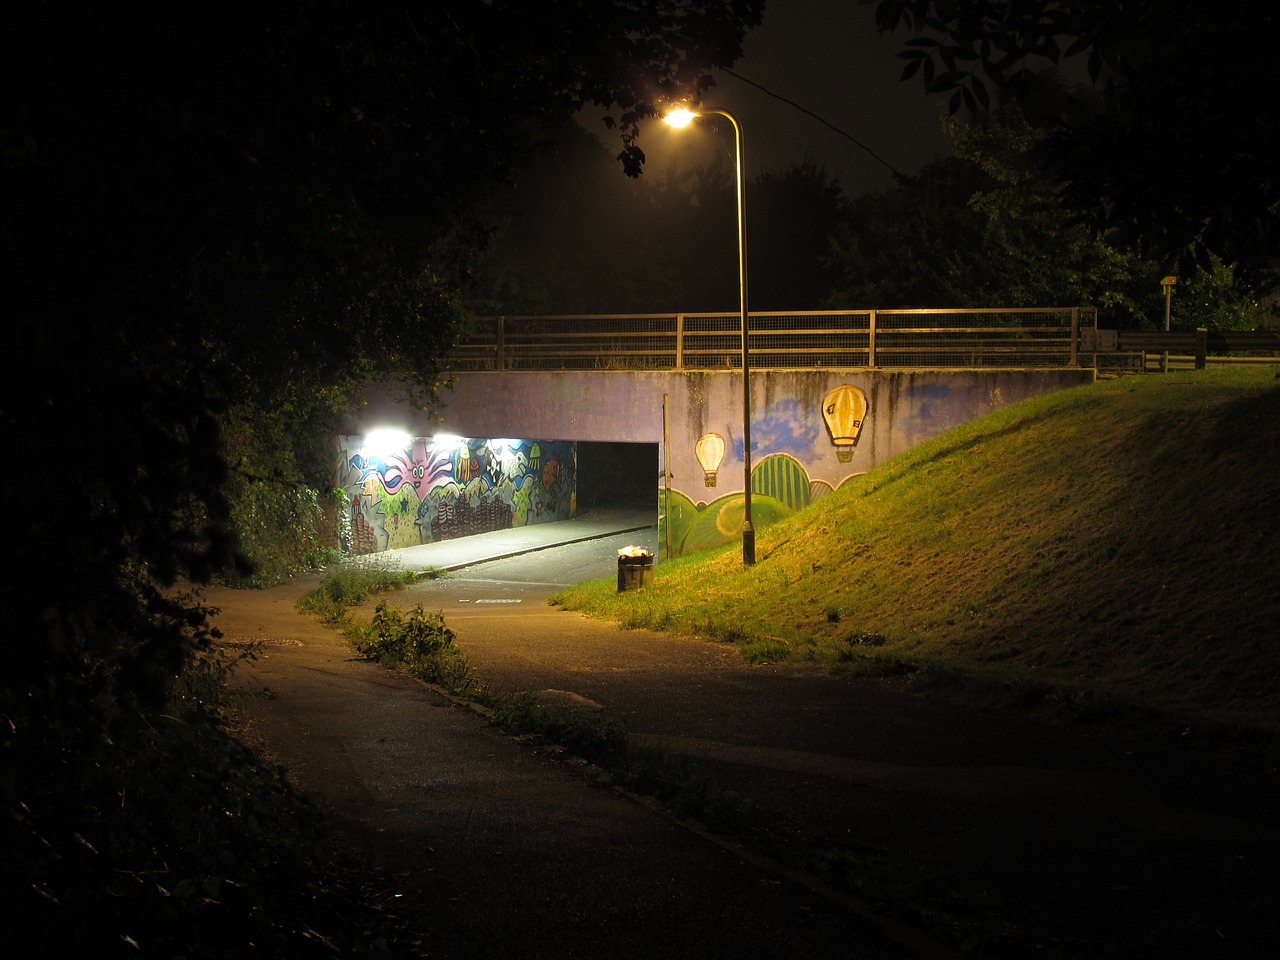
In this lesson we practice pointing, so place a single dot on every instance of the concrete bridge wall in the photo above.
(796, 447)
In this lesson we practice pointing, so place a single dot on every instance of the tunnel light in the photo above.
(383, 441)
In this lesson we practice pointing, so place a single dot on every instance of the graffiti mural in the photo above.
(780, 483)
(843, 410)
(710, 451)
(432, 489)
(780, 486)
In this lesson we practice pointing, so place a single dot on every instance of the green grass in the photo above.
(1108, 547)
(351, 583)
(417, 642)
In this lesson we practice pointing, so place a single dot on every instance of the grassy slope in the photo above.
(1119, 539)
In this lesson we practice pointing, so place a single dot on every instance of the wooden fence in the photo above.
(1196, 349)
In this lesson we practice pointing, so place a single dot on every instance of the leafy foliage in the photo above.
(988, 226)
(219, 226)
(794, 212)
(1035, 251)
(168, 839)
(914, 244)
(1213, 298)
(420, 644)
(280, 520)
(1150, 109)
(351, 583)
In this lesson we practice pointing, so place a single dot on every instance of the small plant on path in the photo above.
(419, 643)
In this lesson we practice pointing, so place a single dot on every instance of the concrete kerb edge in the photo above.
(534, 549)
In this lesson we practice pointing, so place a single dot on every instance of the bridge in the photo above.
(655, 403)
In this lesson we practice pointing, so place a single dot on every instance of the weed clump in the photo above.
(350, 584)
(420, 644)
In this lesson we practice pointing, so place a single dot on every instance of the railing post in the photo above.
(1202, 347)
(679, 341)
(1075, 336)
(499, 336)
(871, 339)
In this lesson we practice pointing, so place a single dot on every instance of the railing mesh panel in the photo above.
(887, 338)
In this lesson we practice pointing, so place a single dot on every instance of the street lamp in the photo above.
(682, 118)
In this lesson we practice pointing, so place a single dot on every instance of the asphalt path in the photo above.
(488, 846)
(535, 576)
(1103, 844)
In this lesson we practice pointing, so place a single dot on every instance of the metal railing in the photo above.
(1028, 337)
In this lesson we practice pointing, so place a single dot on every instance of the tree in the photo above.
(1033, 251)
(219, 223)
(1211, 297)
(914, 244)
(1162, 136)
(986, 227)
(793, 213)
(261, 212)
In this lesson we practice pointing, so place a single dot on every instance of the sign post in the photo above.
(1168, 284)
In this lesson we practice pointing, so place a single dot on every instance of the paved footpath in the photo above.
(1141, 847)
(505, 852)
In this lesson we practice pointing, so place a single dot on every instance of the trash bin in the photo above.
(635, 568)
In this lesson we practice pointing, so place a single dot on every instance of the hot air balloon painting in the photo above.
(710, 451)
(843, 410)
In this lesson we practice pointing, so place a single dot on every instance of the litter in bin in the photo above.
(635, 568)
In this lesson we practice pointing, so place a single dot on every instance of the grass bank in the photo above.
(1109, 547)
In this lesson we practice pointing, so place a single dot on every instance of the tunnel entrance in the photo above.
(617, 476)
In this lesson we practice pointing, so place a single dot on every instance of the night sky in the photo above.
(826, 56)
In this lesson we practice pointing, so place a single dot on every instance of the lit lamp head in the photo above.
(679, 117)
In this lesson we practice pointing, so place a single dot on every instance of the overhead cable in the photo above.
(810, 113)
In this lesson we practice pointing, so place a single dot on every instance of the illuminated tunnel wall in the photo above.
(416, 490)
(811, 430)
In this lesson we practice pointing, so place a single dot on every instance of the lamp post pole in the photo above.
(680, 118)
